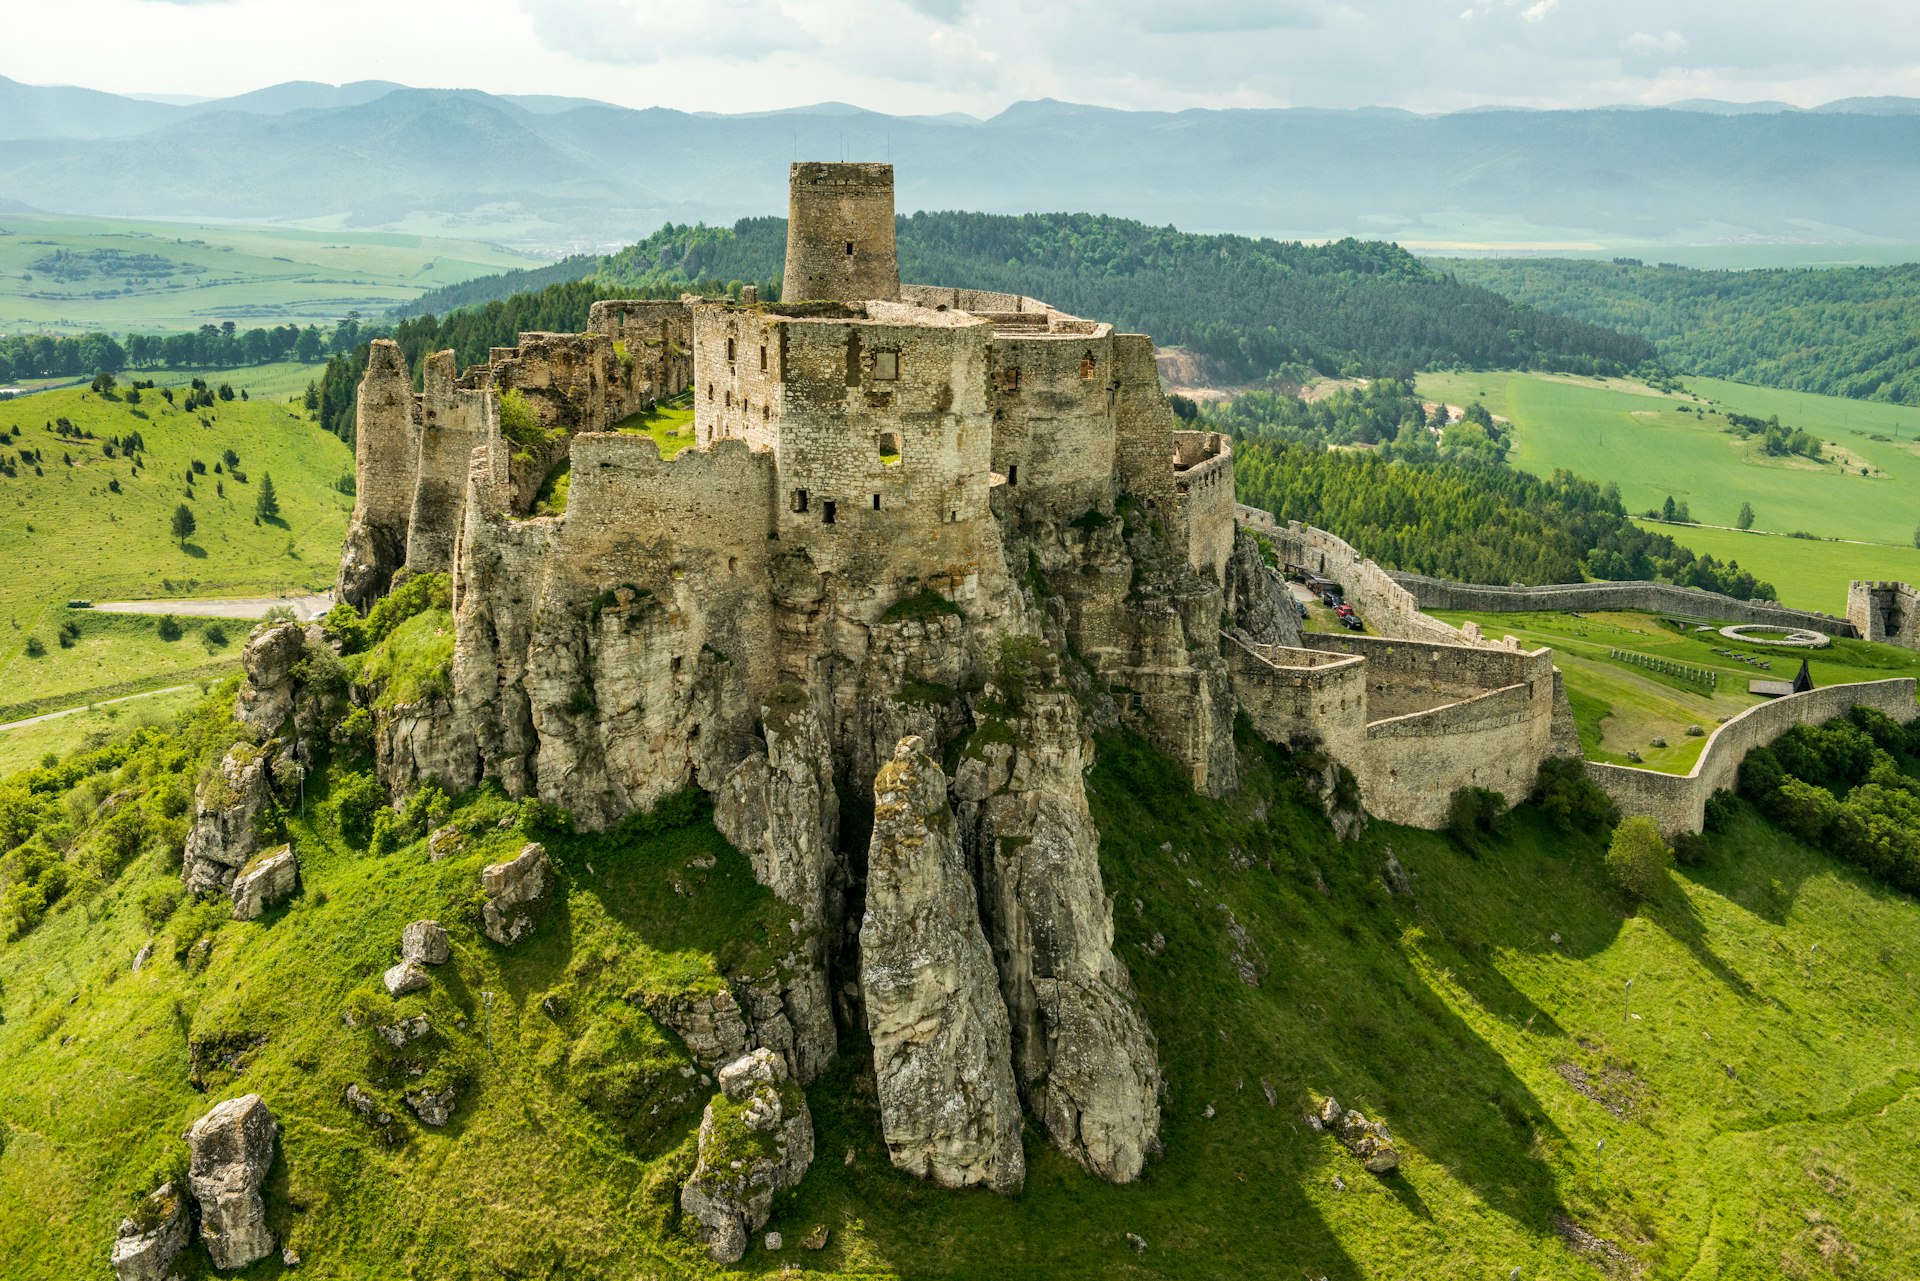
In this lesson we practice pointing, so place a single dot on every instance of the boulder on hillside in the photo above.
(425, 942)
(267, 879)
(408, 976)
(756, 1138)
(1369, 1141)
(266, 696)
(226, 813)
(232, 1148)
(516, 892)
(152, 1237)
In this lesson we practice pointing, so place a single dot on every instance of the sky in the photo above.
(978, 56)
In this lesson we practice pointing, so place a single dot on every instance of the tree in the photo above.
(1637, 857)
(168, 628)
(183, 524)
(1667, 509)
(265, 505)
(1745, 519)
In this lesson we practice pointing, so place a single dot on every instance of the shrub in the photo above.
(1690, 848)
(1637, 857)
(356, 799)
(36, 648)
(1760, 774)
(416, 595)
(169, 628)
(159, 902)
(1473, 812)
(1573, 801)
(345, 628)
(1721, 807)
(1014, 669)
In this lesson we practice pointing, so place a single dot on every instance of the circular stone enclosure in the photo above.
(1789, 637)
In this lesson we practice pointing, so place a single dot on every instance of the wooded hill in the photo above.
(1844, 331)
(1252, 308)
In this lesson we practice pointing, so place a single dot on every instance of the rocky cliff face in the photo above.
(942, 1053)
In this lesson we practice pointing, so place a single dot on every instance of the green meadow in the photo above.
(1716, 1083)
(65, 533)
(28, 745)
(1657, 445)
(70, 273)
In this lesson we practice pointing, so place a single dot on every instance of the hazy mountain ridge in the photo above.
(565, 172)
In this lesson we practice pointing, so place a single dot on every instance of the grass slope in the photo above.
(1756, 1101)
(1641, 439)
(65, 534)
(29, 744)
(68, 273)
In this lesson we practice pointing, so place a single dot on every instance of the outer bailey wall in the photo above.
(1383, 602)
(1652, 597)
(1444, 670)
(946, 298)
(1412, 765)
(1204, 499)
(933, 523)
(1301, 695)
(1678, 802)
(1054, 430)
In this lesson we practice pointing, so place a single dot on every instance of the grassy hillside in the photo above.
(73, 273)
(27, 745)
(1657, 444)
(67, 534)
(1756, 1098)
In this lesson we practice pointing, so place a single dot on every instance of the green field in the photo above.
(65, 534)
(63, 273)
(1641, 439)
(29, 744)
(1756, 1100)
(106, 655)
(1621, 706)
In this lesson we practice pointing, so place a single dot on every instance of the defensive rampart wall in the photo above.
(1678, 802)
(1383, 603)
(1649, 597)
(1204, 498)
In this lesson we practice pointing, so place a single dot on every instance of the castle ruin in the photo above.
(926, 534)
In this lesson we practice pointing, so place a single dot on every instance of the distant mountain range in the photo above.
(568, 173)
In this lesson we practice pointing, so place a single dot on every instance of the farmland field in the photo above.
(1656, 445)
(67, 274)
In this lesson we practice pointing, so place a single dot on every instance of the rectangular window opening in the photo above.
(1013, 473)
(849, 249)
(876, 502)
(763, 358)
(729, 351)
(828, 509)
(799, 500)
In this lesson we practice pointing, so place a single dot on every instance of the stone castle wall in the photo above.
(1053, 434)
(741, 355)
(840, 241)
(452, 420)
(1678, 802)
(1143, 425)
(1204, 498)
(657, 338)
(1648, 597)
(1382, 602)
(1888, 612)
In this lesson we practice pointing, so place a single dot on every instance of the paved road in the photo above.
(106, 702)
(303, 607)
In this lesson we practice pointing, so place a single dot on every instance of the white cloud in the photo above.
(1537, 12)
(1667, 42)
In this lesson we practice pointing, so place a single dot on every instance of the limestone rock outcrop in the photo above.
(225, 820)
(941, 1046)
(232, 1149)
(756, 1139)
(516, 893)
(425, 942)
(1369, 1141)
(433, 1107)
(711, 1023)
(150, 1240)
(266, 697)
(1082, 1054)
(266, 879)
(408, 976)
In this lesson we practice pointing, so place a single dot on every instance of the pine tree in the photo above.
(266, 506)
(183, 523)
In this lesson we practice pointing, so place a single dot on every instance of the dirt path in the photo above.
(69, 711)
(303, 607)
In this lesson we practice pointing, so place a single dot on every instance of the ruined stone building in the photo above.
(925, 542)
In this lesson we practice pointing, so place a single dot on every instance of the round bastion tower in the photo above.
(840, 234)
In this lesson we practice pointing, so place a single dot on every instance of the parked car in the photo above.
(1353, 622)
(1343, 609)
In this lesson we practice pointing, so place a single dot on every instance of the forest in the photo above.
(1450, 508)
(1836, 331)
(1254, 309)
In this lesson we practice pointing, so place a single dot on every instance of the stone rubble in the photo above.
(408, 976)
(425, 942)
(516, 892)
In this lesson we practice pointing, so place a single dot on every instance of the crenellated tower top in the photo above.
(840, 234)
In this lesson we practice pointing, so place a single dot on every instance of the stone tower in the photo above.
(840, 234)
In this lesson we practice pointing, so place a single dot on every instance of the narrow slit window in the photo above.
(1013, 473)
(876, 502)
(729, 351)
(828, 510)
(849, 249)
(763, 358)
(709, 393)
(1012, 380)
